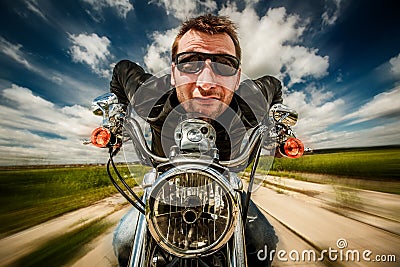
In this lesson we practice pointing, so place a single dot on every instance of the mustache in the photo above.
(210, 92)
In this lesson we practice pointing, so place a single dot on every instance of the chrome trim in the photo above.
(280, 113)
(242, 160)
(138, 253)
(101, 106)
(149, 178)
(195, 135)
(148, 158)
(234, 213)
(235, 181)
(239, 250)
(135, 132)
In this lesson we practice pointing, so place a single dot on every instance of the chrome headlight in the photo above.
(191, 211)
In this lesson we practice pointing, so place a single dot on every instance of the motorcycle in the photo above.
(191, 210)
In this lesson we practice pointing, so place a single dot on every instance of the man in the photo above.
(205, 80)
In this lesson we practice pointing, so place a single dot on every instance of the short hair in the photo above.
(210, 24)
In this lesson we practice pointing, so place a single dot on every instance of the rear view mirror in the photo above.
(280, 113)
(101, 104)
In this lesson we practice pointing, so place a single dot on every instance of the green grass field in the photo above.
(372, 169)
(379, 164)
(32, 196)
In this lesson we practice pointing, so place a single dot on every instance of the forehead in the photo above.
(220, 43)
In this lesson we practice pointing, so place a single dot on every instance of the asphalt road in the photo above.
(24, 242)
(306, 224)
(340, 239)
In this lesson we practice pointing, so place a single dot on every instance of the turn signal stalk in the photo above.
(293, 148)
(101, 137)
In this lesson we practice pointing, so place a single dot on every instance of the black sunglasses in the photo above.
(193, 62)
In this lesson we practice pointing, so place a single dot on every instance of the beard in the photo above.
(211, 108)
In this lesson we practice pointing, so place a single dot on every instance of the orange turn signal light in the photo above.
(100, 137)
(293, 148)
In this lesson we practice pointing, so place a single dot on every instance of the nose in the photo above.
(206, 77)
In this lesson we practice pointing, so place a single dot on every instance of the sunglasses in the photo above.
(193, 62)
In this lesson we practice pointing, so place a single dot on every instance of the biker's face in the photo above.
(205, 91)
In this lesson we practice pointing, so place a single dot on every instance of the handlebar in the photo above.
(114, 121)
(239, 163)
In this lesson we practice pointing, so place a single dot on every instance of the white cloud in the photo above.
(269, 45)
(39, 114)
(158, 55)
(75, 90)
(319, 96)
(251, 2)
(122, 6)
(395, 65)
(388, 71)
(315, 116)
(71, 88)
(318, 112)
(184, 9)
(387, 134)
(303, 62)
(332, 12)
(34, 130)
(92, 50)
(33, 6)
(382, 105)
(14, 51)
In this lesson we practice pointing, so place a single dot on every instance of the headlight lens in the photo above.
(191, 212)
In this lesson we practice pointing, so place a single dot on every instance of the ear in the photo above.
(173, 83)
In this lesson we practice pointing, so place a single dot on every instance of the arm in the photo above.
(255, 97)
(126, 79)
(271, 89)
(146, 93)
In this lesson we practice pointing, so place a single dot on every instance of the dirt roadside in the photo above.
(99, 252)
(22, 243)
(377, 210)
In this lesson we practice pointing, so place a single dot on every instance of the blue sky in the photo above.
(339, 62)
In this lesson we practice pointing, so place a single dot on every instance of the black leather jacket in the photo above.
(155, 100)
